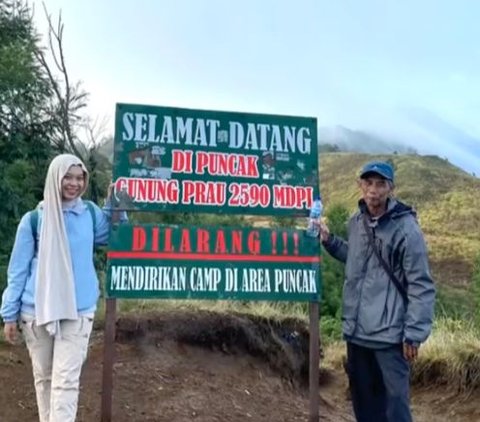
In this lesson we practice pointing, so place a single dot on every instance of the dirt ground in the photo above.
(205, 367)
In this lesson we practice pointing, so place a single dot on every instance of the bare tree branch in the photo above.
(70, 98)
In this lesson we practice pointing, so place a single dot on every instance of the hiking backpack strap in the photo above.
(91, 208)
(400, 287)
(34, 227)
(34, 222)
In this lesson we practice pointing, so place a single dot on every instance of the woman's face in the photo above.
(73, 183)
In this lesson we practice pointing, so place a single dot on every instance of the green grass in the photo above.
(454, 303)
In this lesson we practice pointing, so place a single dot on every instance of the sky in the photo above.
(407, 70)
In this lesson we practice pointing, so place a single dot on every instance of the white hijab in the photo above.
(55, 289)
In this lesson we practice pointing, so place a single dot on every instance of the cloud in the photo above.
(441, 137)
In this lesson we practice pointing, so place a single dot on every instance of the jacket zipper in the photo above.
(363, 281)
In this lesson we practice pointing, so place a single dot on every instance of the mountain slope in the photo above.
(447, 200)
(358, 141)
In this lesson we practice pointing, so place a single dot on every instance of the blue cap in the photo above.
(381, 168)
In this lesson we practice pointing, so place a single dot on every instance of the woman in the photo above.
(52, 286)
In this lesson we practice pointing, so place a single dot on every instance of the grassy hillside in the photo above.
(447, 200)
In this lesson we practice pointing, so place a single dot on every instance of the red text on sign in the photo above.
(203, 193)
(223, 164)
(148, 190)
(248, 195)
(297, 197)
(182, 161)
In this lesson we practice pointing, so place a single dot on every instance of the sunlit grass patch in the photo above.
(450, 357)
(276, 310)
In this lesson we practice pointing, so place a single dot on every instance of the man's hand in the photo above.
(324, 231)
(410, 352)
(10, 332)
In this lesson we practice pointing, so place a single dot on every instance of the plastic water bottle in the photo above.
(313, 229)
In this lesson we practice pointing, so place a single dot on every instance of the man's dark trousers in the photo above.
(379, 383)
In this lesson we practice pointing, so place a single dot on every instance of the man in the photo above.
(388, 297)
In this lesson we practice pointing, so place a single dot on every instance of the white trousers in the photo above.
(57, 363)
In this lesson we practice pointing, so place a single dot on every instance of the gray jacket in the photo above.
(373, 308)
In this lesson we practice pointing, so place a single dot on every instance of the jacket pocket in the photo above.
(380, 308)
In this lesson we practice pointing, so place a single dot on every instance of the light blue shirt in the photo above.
(19, 295)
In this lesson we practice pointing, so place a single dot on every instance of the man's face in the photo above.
(375, 191)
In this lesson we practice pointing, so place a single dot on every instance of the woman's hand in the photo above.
(10, 332)
(110, 190)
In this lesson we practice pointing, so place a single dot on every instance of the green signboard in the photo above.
(185, 262)
(183, 160)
